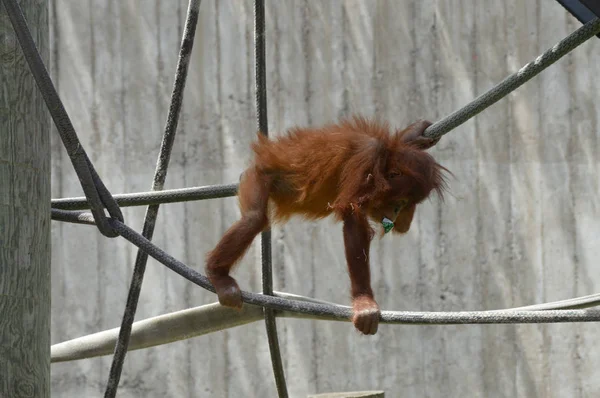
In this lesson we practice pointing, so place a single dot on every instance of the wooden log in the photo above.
(24, 214)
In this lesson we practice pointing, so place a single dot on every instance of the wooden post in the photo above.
(24, 214)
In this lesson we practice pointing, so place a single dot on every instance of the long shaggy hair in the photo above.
(357, 163)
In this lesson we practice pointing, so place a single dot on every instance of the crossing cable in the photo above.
(436, 130)
(160, 175)
(335, 312)
(98, 196)
(263, 127)
(198, 321)
(208, 318)
(515, 80)
(154, 197)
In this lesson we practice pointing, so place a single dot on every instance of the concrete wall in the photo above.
(520, 226)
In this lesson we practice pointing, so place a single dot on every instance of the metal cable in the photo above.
(98, 196)
(197, 321)
(263, 127)
(160, 175)
(337, 312)
(438, 129)
(86, 218)
(515, 80)
(591, 300)
(154, 197)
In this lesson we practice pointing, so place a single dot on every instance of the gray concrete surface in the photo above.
(519, 227)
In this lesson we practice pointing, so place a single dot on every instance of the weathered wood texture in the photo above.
(520, 227)
(24, 214)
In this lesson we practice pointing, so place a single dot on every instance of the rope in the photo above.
(263, 127)
(98, 198)
(160, 175)
(185, 324)
(591, 300)
(336, 312)
(154, 197)
(438, 129)
(96, 193)
(332, 312)
(515, 80)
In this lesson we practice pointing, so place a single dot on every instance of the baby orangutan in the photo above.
(356, 170)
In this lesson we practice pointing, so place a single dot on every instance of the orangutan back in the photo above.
(306, 165)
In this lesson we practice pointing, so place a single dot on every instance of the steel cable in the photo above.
(515, 80)
(263, 127)
(98, 196)
(160, 175)
(336, 312)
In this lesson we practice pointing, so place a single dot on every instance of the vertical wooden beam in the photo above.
(24, 214)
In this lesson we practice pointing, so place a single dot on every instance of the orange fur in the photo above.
(356, 170)
(341, 166)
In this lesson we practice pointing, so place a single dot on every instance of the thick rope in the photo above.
(336, 312)
(154, 197)
(588, 301)
(436, 130)
(98, 196)
(263, 127)
(222, 191)
(194, 322)
(515, 80)
(160, 175)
